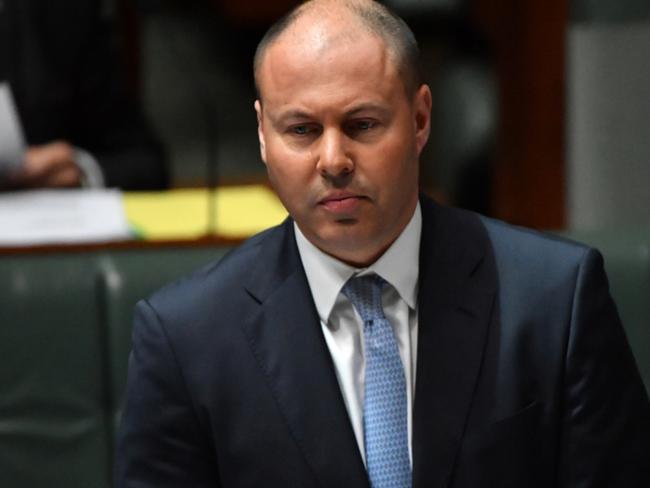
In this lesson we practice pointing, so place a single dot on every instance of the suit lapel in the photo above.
(456, 291)
(286, 338)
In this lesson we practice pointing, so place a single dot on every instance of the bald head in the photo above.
(320, 25)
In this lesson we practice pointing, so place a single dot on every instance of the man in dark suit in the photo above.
(81, 126)
(262, 370)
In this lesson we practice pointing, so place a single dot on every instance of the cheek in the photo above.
(396, 161)
(396, 176)
(287, 162)
(290, 177)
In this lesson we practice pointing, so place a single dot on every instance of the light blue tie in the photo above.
(384, 410)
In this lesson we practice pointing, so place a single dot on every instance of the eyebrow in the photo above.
(302, 114)
(368, 107)
(292, 114)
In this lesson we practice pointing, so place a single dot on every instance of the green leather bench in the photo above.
(52, 389)
(65, 325)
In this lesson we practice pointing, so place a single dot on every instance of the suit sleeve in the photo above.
(606, 423)
(161, 443)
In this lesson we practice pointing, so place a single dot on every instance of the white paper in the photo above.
(62, 217)
(12, 141)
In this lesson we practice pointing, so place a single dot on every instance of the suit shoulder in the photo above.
(525, 245)
(508, 242)
(215, 283)
(532, 263)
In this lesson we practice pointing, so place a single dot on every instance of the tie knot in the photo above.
(365, 294)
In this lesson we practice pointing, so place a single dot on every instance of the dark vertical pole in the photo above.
(528, 41)
(129, 27)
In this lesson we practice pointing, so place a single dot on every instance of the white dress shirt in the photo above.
(343, 327)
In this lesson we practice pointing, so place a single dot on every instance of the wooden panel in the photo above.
(528, 42)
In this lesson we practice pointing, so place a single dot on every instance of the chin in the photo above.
(354, 248)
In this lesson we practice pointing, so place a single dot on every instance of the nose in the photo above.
(334, 160)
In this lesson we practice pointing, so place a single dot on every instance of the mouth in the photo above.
(341, 202)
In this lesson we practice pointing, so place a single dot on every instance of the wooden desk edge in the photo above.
(206, 241)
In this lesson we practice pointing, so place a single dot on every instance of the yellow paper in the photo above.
(236, 212)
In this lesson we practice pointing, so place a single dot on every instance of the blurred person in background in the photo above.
(81, 126)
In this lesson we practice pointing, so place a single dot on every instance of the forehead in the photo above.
(327, 56)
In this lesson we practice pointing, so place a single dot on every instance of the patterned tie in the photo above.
(384, 409)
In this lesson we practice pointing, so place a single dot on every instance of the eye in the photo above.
(302, 130)
(365, 124)
(361, 125)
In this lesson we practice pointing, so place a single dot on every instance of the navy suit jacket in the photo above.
(524, 376)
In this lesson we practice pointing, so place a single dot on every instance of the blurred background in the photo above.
(541, 117)
(541, 108)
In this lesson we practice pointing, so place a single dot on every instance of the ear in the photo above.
(260, 130)
(422, 112)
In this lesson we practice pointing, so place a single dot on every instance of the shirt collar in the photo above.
(399, 266)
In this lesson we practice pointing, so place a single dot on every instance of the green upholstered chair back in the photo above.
(65, 327)
(53, 425)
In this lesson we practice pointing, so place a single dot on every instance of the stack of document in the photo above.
(41, 217)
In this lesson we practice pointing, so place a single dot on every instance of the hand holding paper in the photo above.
(48, 166)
